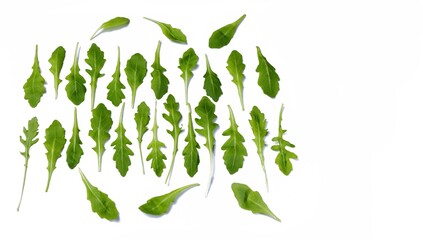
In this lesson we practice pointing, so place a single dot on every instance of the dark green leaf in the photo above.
(136, 69)
(159, 83)
(75, 88)
(212, 84)
(142, 118)
(56, 60)
(268, 78)
(55, 142)
(112, 24)
(173, 34)
(115, 93)
(222, 36)
(34, 87)
(96, 61)
(187, 63)
(190, 152)
(236, 68)
(156, 155)
(74, 151)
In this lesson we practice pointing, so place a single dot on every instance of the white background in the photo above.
(351, 81)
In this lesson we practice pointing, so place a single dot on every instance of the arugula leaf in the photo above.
(268, 78)
(34, 87)
(212, 84)
(187, 63)
(251, 200)
(283, 159)
(101, 122)
(173, 34)
(56, 60)
(136, 69)
(156, 156)
(258, 125)
(112, 24)
(100, 202)
(74, 151)
(30, 133)
(205, 110)
(234, 146)
(159, 83)
(55, 142)
(142, 118)
(190, 152)
(96, 61)
(115, 94)
(161, 205)
(174, 117)
(236, 68)
(122, 151)
(75, 88)
(222, 36)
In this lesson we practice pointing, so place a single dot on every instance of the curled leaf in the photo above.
(173, 34)
(112, 24)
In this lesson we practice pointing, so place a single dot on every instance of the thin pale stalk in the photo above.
(261, 156)
(241, 98)
(134, 92)
(48, 181)
(92, 96)
(175, 150)
(211, 173)
(142, 158)
(24, 181)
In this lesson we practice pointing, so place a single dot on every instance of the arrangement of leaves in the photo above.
(187, 63)
(159, 83)
(74, 151)
(112, 24)
(115, 93)
(142, 118)
(56, 60)
(212, 84)
(222, 36)
(136, 69)
(34, 87)
(173, 34)
(268, 78)
(236, 68)
(75, 88)
(31, 133)
(156, 155)
(96, 61)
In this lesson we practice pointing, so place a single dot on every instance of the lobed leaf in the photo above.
(212, 84)
(115, 93)
(136, 69)
(190, 152)
(74, 151)
(187, 63)
(268, 78)
(159, 83)
(222, 36)
(56, 60)
(156, 155)
(96, 61)
(112, 24)
(236, 68)
(142, 118)
(34, 87)
(75, 88)
(173, 34)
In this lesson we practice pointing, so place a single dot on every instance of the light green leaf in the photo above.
(56, 60)
(115, 93)
(30, 133)
(251, 200)
(161, 205)
(173, 34)
(159, 83)
(236, 68)
(112, 24)
(234, 150)
(268, 78)
(100, 202)
(156, 155)
(34, 87)
(136, 69)
(142, 118)
(74, 151)
(212, 84)
(55, 142)
(190, 152)
(75, 88)
(96, 61)
(222, 36)
(187, 63)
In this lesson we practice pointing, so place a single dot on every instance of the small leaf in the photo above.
(156, 155)
(34, 87)
(142, 118)
(236, 68)
(122, 151)
(212, 84)
(234, 150)
(251, 200)
(101, 122)
(56, 60)
(112, 24)
(55, 142)
(136, 69)
(74, 151)
(159, 83)
(173, 34)
(161, 205)
(100, 202)
(115, 93)
(96, 61)
(222, 36)
(190, 152)
(30, 133)
(187, 63)
(268, 78)
(283, 159)
(174, 117)
(75, 88)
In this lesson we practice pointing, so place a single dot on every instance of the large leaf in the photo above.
(115, 93)
(56, 60)
(96, 61)
(75, 88)
(161, 205)
(212, 84)
(190, 152)
(222, 36)
(55, 142)
(156, 155)
(112, 24)
(187, 63)
(173, 34)
(136, 69)
(159, 83)
(74, 151)
(34, 87)
(236, 68)
(268, 78)
(142, 118)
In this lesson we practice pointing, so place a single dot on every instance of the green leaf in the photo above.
(142, 118)
(101, 122)
(212, 84)
(156, 156)
(190, 152)
(174, 117)
(74, 151)
(122, 151)
(34, 87)
(115, 93)
(236, 68)
(30, 133)
(56, 60)
(112, 24)
(55, 142)
(222, 36)
(136, 69)
(75, 88)
(268, 78)
(159, 83)
(173, 34)
(100, 202)
(96, 61)
(258, 125)
(187, 63)
(206, 112)
(251, 200)
(283, 159)
(161, 205)
(234, 146)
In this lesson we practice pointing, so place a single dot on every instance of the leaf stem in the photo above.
(175, 150)
(261, 156)
(211, 173)
(92, 95)
(24, 179)
(48, 180)
(142, 158)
